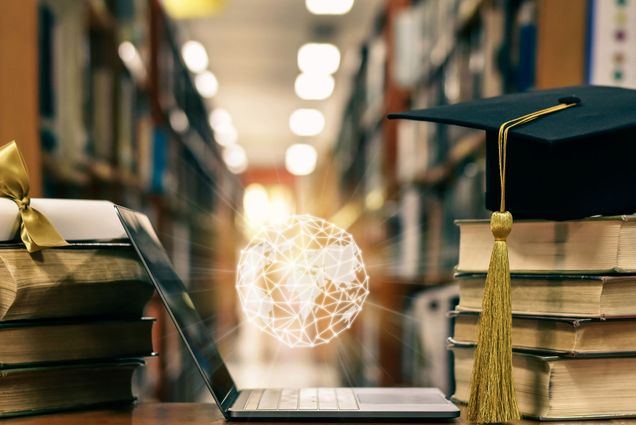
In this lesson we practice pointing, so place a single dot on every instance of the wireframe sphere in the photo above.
(302, 281)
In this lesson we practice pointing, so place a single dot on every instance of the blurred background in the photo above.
(215, 117)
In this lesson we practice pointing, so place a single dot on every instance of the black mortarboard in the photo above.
(572, 164)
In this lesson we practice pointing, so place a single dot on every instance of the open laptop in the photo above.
(271, 403)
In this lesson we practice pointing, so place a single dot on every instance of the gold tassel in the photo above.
(492, 396)
(492, 393)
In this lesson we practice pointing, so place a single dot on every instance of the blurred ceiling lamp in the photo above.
(314, 86)
(206, 83)
(300, 159)
(194, 56)
(318, 58)
(306, 122)
(235, 158)
(129, 55)
(219, 117)
(220, 121)
(179, 121)
(225, 134)
(329, 7)
(181, 9)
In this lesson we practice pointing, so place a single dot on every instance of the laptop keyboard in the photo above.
(302, 399)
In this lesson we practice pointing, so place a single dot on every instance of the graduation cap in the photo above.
(555, 154)
(568, 165)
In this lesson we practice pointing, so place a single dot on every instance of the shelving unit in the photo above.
(105, 134)
(433, 53)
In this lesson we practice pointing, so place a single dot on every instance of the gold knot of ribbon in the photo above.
(35, 230)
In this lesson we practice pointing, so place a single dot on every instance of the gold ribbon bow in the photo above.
(35, 230)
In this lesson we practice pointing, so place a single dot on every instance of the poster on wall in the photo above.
(612, 34)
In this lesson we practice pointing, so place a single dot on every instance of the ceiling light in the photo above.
(225, 134)
(300, 159)
(179, 121)
(206, 83)
(314, 86)
(235, 158)
(306, 122)
(318, 58)
(219, 117)
(194, 56)
(329, 7)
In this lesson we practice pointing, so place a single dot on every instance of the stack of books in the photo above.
(71, 326)
(573, 292)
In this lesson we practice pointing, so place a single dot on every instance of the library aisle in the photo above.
(221, 118)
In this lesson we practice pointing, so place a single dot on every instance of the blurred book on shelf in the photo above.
(112, 79)
(434, 53)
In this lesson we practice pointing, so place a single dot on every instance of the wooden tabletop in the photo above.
(187, 414)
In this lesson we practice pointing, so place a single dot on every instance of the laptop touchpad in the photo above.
(392, 398)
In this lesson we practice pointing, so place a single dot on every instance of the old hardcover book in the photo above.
(30, 343)
(556, 388)
(559, 295)
(595, 245)
(95, 280)
(559, 335)
(40, 390)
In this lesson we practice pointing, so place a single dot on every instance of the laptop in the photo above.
(268, 403)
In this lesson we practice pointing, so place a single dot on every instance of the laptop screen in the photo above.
(179, 305)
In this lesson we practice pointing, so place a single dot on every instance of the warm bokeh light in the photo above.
(225, 134)
(300, 159)
(194, 56)
(306, 122)
(179, 121)
(263, 206)
(206, 83)
(329, 7)
(314, 86)
(132, 60)
(188, 9)
(219, 117)
(318, 58)
(235, 158)
(255, 205)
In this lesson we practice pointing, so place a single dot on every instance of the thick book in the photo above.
(29, 343)
(97, 280)
(557, 335)
(595, 245)
(561, 388)
(558, 295)
(49, 389)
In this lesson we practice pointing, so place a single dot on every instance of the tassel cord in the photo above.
(492, 393)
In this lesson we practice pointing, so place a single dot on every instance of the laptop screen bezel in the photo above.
(224, 401)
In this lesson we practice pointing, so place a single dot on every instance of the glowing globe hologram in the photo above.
(302, 281)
